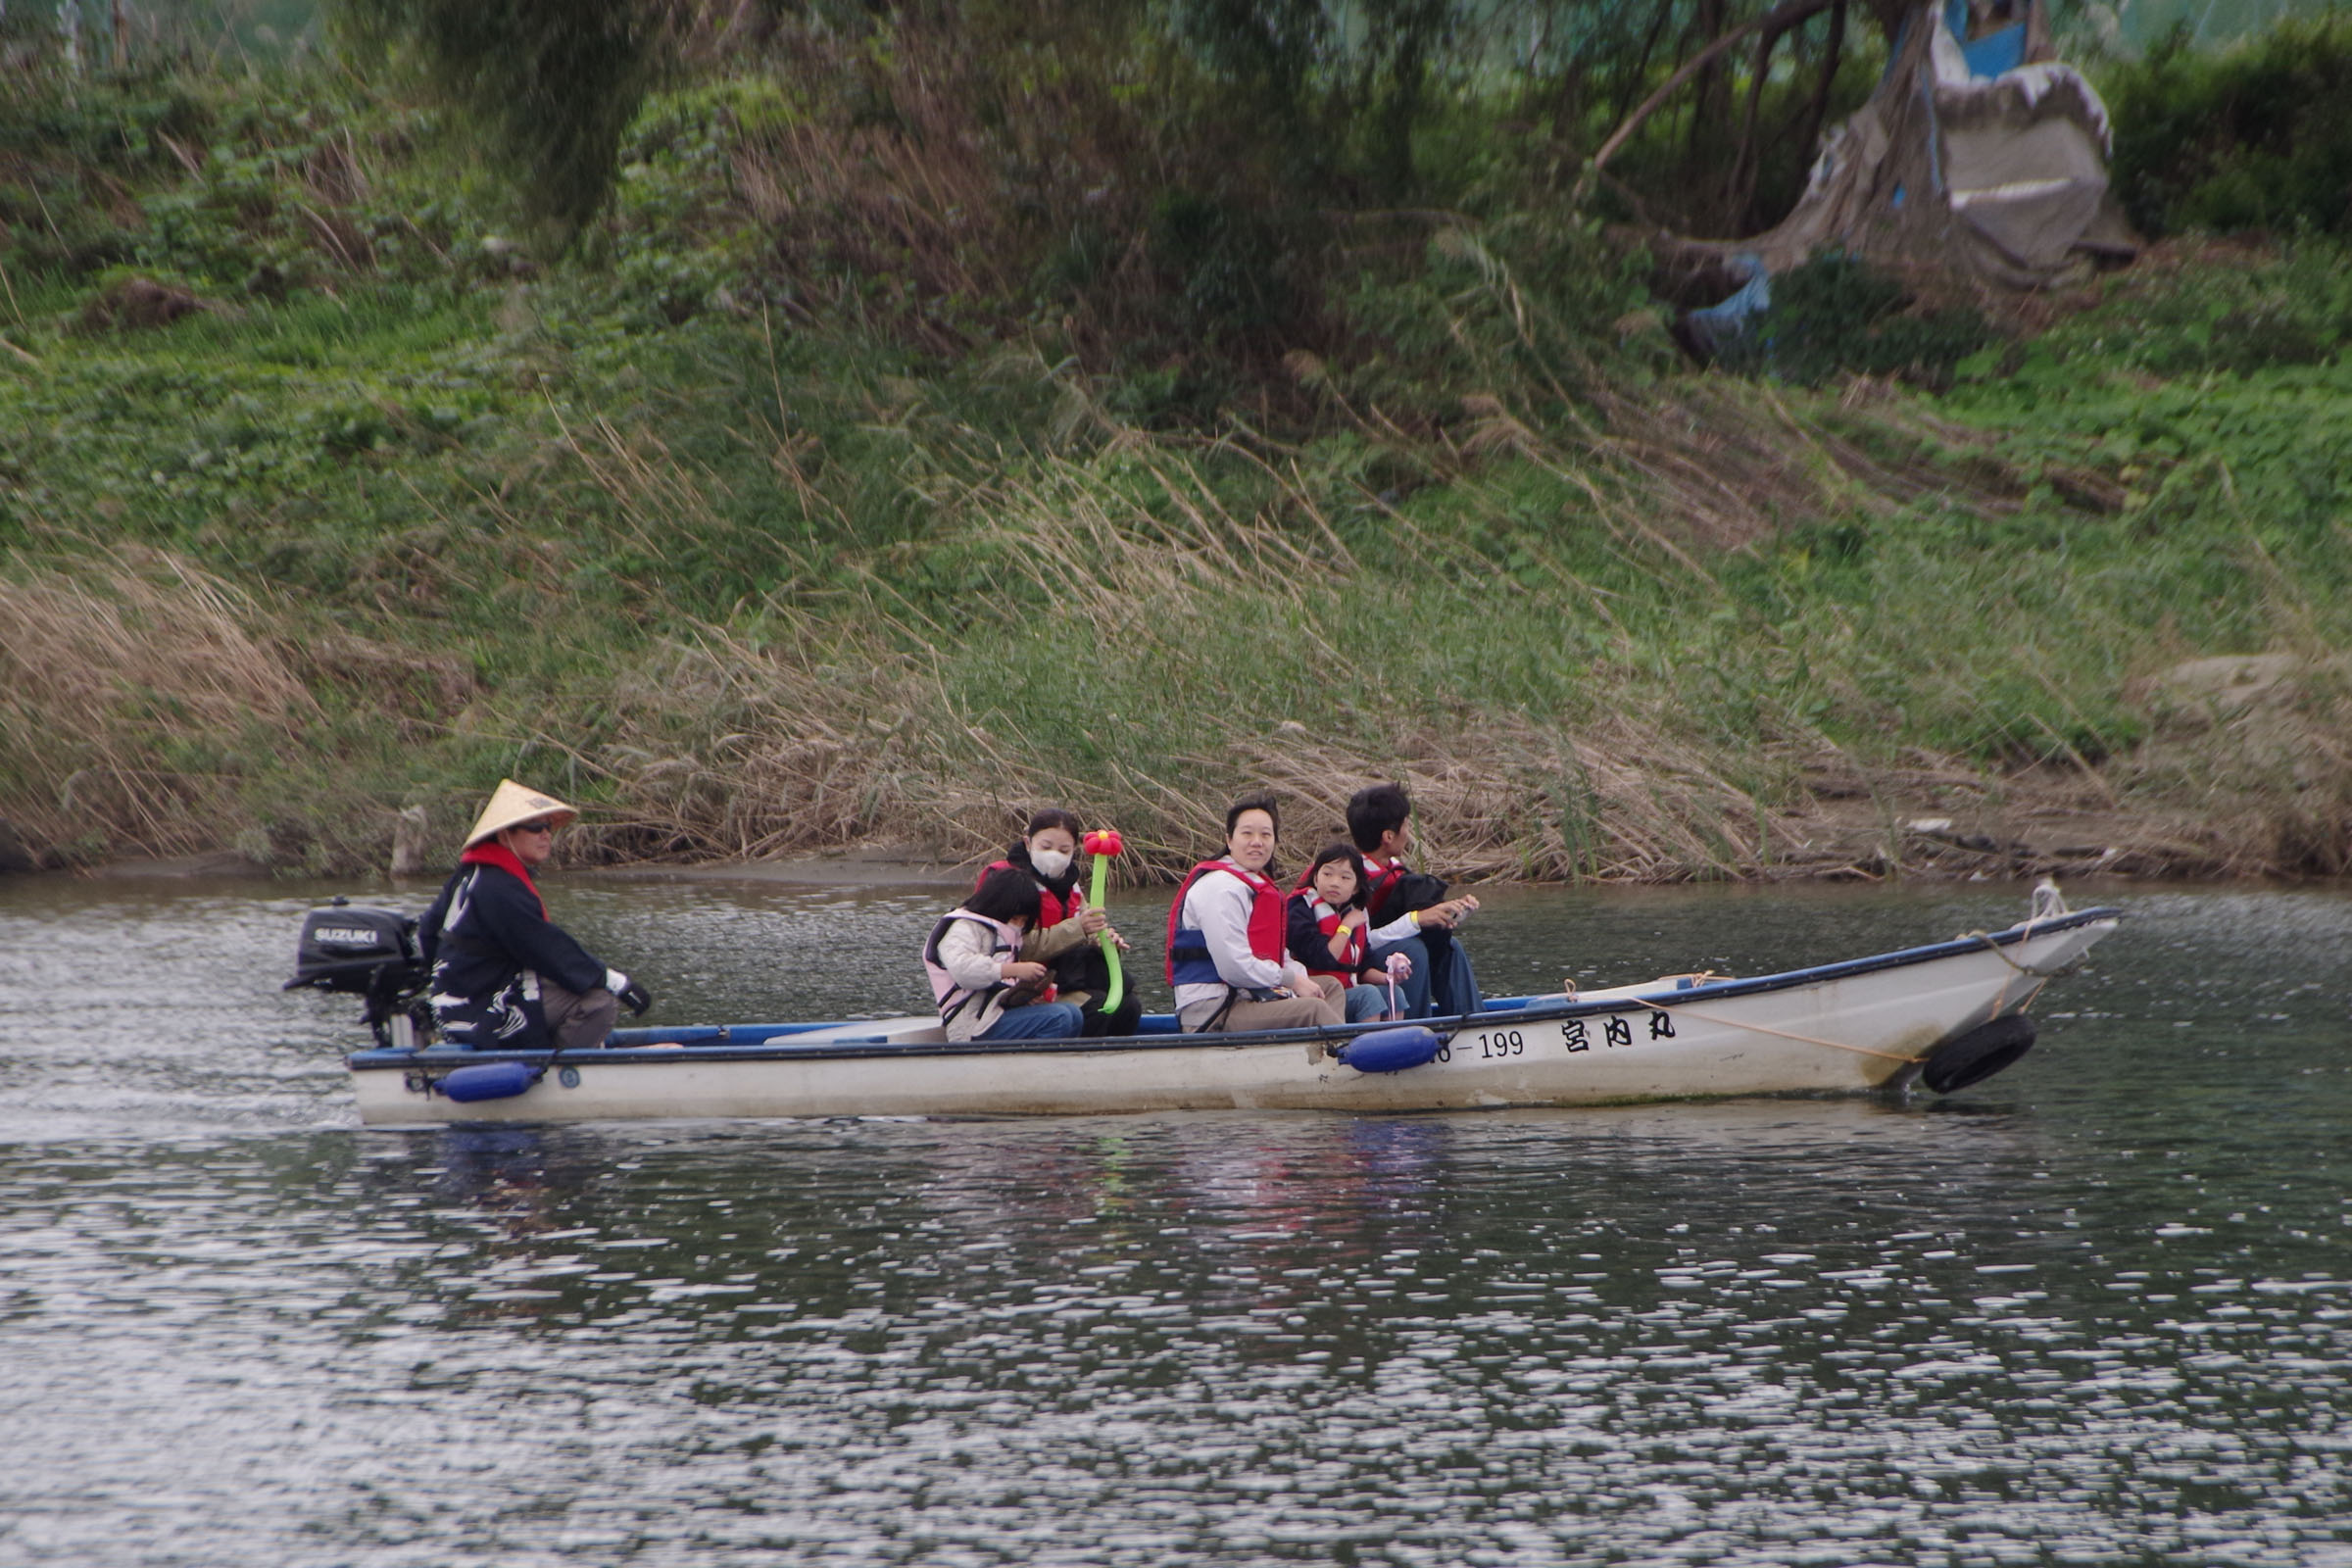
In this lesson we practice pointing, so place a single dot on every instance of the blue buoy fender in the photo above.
(492, 1080)
(1391, 1049)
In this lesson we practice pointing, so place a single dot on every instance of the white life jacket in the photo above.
(954, 998)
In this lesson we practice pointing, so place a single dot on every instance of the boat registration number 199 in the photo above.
(1575, 1034)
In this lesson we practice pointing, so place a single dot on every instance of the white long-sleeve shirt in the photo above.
(1217, 906)
(974, 954)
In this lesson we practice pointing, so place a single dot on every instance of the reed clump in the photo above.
(1129, 637)
(134, 693)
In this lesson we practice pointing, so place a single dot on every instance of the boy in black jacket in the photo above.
(1441, 983)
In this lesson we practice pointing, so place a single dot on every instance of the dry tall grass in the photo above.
(812, 754)
(144, 704)
(104, 660)
(793, 731)
(813, 733)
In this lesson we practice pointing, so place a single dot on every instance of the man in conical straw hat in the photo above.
(504, 977)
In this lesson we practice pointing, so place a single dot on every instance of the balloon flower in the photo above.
(1103, 844)
(1397, 965)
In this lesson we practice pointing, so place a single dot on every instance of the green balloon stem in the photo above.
(1110, 948)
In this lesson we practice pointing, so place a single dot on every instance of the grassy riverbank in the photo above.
(389, 507)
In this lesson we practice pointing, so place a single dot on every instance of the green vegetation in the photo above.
(2252, 136)
(1837, 315)
(879, 460)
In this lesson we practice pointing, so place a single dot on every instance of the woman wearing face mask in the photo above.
(1063, 935)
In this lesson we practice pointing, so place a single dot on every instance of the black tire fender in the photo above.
(1977, 1054)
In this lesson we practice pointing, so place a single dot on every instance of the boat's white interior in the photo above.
(915, 1029)
(924, 1029)
(1646, 988)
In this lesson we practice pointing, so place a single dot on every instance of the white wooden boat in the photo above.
(1952, 1011)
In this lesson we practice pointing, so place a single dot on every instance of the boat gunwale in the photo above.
(385, 1059)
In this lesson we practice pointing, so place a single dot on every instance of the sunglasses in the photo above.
(535, 827)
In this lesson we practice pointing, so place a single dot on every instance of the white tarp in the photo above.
(2023, 164)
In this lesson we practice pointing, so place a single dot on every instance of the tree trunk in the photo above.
(1788, 14)
(1706, 86)
(1739, 184)
(1650, 46)
(1818, 110)
(68, 26)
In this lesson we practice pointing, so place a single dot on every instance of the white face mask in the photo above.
(1049, 863)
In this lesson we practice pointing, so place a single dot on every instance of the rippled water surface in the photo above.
(2095, 1310)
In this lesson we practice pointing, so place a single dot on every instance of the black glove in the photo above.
(636, 999)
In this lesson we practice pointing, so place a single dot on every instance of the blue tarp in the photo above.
(1718, 327)
(1992, 54)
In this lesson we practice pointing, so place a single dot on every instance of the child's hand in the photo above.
(1015, 975)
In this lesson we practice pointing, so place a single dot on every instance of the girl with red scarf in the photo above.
(1331, 934)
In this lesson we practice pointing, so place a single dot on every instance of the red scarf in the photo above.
(492, 852)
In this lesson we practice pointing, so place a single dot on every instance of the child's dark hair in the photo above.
(1257, 801)
(1054, 816)
(1375, 810)
(1356, 864)
(1009, 895)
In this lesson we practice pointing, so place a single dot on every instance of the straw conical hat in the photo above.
(510, 804)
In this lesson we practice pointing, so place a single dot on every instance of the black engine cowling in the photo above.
(369, 953)
(344, 945)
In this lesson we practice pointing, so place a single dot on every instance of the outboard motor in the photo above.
(371, 954)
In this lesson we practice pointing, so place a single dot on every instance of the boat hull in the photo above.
(1864, 1024)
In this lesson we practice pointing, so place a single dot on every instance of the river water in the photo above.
(2095, 1310)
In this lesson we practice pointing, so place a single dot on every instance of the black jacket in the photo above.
(1303, 935)
(487, 926)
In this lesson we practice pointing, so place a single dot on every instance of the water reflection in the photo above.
(2096, 1312)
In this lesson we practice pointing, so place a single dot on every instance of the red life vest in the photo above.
(1189, 962)
(1380, 881)
(1051, 910)
(1350, 963)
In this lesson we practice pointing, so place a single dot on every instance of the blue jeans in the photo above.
(1039, 1021)
(1368, 1003)
(1454, 991)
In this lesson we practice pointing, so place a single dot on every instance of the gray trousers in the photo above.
(577, 1023)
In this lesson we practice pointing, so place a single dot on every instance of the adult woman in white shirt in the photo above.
(1228, 954)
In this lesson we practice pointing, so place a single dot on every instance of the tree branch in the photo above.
(1780, 19)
